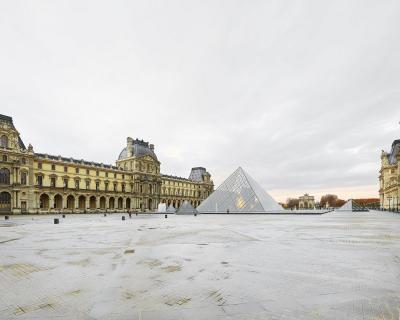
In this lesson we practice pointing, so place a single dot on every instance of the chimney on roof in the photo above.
(129, 147)
(152, 147)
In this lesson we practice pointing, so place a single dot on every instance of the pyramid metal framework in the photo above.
(352, 206)
(171, 209)
(239, 193)
(186, 208)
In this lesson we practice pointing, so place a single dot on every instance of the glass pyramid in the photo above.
(186, 208)
(351, 206)
(240, 193)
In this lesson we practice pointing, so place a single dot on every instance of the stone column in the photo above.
(76, 205)
(51, 202)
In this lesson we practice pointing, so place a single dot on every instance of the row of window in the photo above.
(78, 170)
(181, 192)
(77, 185)
(142, 167)
(180, 184)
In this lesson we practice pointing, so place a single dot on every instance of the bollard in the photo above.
(136, 213)
(63, 216)
(6, 217)
(130, 215)
(56, 221)
(166, 216)
(195, 214)
(105, 215)
(123, 218)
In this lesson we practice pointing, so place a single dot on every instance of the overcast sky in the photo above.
(302, 94)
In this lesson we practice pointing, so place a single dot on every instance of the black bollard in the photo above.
(195, 214)
(63, 216)
(56, 221)
(130, 215)
(6, 217)
(105, 215)
(123, 218)
(166, 216)
(136, 213)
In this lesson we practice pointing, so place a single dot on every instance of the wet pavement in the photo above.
(331, 266)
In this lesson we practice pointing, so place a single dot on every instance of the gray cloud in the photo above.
(303, 95)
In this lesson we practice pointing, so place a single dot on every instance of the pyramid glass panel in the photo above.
(239, 193)
(352, 206)
(186, 208)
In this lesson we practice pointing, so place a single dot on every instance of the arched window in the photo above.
(5, 158)
(4, 141)
(4, 176)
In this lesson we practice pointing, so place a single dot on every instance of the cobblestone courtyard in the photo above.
(332, 266)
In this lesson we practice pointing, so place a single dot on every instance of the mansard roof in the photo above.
(392, 156)
(139, 148)
(9, 120)
(76, 161)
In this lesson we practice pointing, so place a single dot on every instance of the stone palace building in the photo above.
(389, 178)
(40, 183)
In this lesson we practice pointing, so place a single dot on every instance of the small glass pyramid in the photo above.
(239, 193)
(186, 208)
(351, 205)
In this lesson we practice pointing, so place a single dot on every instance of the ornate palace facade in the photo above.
(40, 183)
(389, 178)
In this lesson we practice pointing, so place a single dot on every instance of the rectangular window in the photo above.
(123, 188)
(65, 183)
(77, 184)
(107, 174)
(87, 171)
(76, 170)
(65, 169)
(97, 186)
(40, 181)
(53, 167)
(115, 187)
(106, 186)
(115, 175)
(87, 185)
(39, 165)
(53, 182)
(97, 173)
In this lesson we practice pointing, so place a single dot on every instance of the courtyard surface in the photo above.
(331, 266)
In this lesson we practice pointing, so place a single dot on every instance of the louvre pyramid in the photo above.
(171, 209)
(186, 208)
(351, 206)
(239, 193)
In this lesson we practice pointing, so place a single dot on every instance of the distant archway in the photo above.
(70, 202)
(44, 202)
(58, 201)
(102, 202)
(128, 203)
(82, 202)
(120, 203)
(92, 202)
(111, 203)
